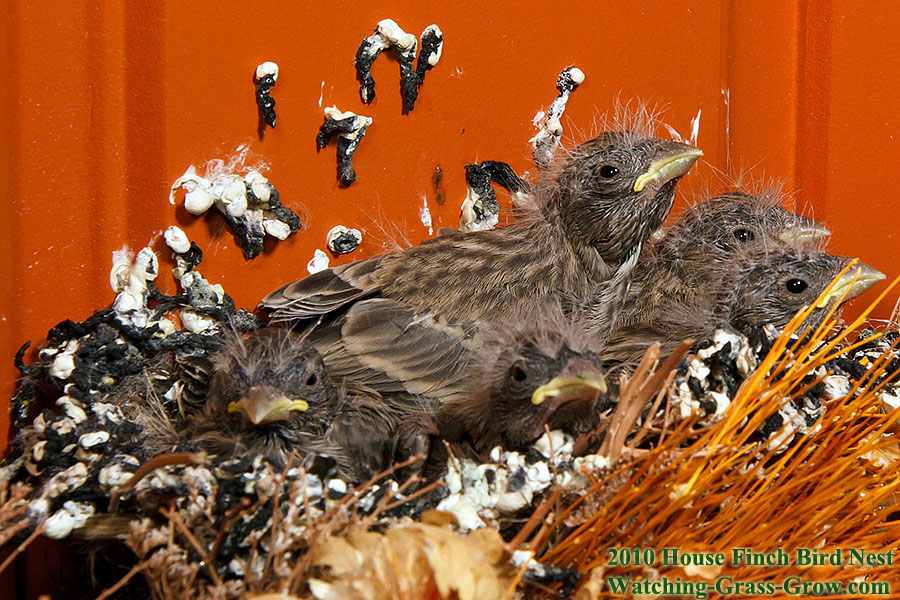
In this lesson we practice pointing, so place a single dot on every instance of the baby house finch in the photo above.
(271, 395)
(757, 290)
(701, 248)
(539, 378)
(586, 228)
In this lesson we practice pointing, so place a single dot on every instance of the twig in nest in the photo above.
(635, 396)
(228, 521)
(326, 523)
(276, 512)
(516, 580)
(121, 583)
(660, 395)
(536, 517)
(21, 547)
(176, 519)
(177, 458)
(431, 486)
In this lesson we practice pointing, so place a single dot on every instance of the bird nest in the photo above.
(773, 441)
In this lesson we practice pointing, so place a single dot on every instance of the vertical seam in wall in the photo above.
(102, 209)
(813, 91)
(725, 81)
(145, 119)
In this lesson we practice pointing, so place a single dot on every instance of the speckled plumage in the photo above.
(347, 422)
(585, 228)
(686, 267)
(759, 289)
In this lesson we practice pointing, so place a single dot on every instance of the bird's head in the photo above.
(535, 382)
(773, 288)
(613, 191)
(718, 229)
(271, 387)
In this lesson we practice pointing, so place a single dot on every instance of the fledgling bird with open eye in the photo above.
(761, 290)
(521, 384)
(773, 289)
(586, 228)
(691, 259)
(475, 385)
(271, 395)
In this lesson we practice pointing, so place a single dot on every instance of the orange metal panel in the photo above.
(105, 103)
(862, 132)
(111, 105)
(760, 89)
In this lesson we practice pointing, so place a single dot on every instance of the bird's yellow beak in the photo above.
(579, 380)
(673, 164)
(856, 280)
(265, 403)
(802, 234)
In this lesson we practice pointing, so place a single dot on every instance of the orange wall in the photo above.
(103, 108)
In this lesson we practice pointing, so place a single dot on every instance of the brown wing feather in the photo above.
(323, 292)
(386, 345)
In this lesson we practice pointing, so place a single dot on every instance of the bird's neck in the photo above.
(587, 264)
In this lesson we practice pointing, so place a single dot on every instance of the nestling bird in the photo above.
(765, 289)
(773, 289)
(587, 228)
(540, 378)
(406, 356)
(476, 385)
(271, 395)
(695, 254)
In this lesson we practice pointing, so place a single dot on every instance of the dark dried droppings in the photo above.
(344, 243)
(772, 424)
(534, 456)
(816, 391)
(346, 148)
(516, 480)
(437, 184)
(480, 182)
(813, 399)
(809, 419)
(411, 78)
(365, 56)
(759, 341)
(430, 44)
(893, 370)
(849, 366)
(544, 574)
(725, 370)
(264, 100)
(695, 386)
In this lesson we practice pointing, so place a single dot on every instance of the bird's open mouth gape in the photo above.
(852, 284)
(570, 399)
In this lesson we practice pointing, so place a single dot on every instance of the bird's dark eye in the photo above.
(796, 286)
(517, 373)
(742, 235)
(312, 379)
(608, 171)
